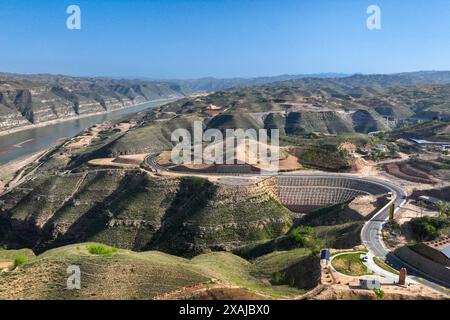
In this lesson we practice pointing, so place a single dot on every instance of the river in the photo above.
(21, 144)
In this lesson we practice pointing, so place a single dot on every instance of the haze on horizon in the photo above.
(167, 39)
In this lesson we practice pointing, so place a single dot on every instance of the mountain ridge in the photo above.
(205, 84)
(35, 99)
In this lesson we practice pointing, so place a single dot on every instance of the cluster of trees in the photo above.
(305, 237)
(378, 155)
(428, 228)
(325, 156)
(391, 151)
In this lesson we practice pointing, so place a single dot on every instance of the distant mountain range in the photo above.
(209, 84)
(34, 99)
(398, 79)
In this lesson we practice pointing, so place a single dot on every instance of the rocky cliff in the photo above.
(27, 100)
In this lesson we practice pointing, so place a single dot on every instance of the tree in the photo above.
(443, 208)
(305, 237)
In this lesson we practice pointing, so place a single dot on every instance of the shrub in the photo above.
(305, 237)
(393, 224)
(198, 182)
(19, 261)
(277, 278)
(379, 293)
(300, 235)
(100, 249)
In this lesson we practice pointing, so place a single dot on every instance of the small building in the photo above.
(369, 284)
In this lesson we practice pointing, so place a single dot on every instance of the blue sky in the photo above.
(223, 38)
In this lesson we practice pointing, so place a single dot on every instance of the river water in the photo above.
(21, 144)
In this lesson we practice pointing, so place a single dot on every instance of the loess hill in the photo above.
(126, 274)
(63, 200)
(183, 216)
(27, 100)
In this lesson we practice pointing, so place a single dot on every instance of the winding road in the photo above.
(371, 234)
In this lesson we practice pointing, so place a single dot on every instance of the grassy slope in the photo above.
(10, 255)
(278, 260)
(131, 275)
(233, 121)
(307, 122)
(151, 138)
(323, 156)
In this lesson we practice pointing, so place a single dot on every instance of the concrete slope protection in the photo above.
(341, 187)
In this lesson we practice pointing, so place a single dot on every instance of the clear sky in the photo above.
(223, 38)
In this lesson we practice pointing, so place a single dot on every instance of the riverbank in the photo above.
(9, 170)
(58, 121)
(28, 140)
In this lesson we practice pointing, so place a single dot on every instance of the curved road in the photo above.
(371, 232)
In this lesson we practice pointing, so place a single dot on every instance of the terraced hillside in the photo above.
(432, 131)
(131, 210)
(182, 216)
(66, 200)
(304, 111)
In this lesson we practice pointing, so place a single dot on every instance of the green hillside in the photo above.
(232, 121)
(132, 210)
(146, 275)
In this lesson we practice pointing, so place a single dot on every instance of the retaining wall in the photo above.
(304, 194)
